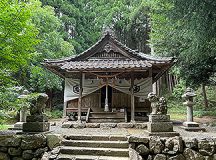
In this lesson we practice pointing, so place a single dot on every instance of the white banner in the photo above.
(141, 87)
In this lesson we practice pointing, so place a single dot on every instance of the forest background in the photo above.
(33, 30)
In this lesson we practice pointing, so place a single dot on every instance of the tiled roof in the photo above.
(139, 55)
(105, 64)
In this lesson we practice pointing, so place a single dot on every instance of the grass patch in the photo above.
(3, 127)
(177, 116)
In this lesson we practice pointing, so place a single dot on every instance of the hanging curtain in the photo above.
(141, 87)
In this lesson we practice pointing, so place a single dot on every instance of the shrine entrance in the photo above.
(103, 97)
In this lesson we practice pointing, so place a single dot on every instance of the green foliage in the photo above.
(55, 114)
(3, 127)
(186, 29)
(85, 20)
(51, 46)
(210, 91)
(178, 90)
(17, 37)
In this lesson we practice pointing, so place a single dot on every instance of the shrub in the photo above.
(54, 114)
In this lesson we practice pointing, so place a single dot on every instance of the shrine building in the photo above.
(109, 82)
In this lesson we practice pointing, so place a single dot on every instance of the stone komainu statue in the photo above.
(162, 106)
(158, 105)
(38, 104)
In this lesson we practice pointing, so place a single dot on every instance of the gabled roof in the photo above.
(115, 45)
(109, 53)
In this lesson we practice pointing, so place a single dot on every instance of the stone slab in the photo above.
(17, 126)
(160, 126)
(125, 125)
(191, 124)
(67, 124)
(138, 139)
(140, 125)
(78, 125)
(163, 134)
(37, 118)
(92, 125)
(108, 125)
(194, 129)
(36, 126)
(159, 118)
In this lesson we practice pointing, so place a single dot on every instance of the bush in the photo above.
(179, 90)
(54, 114)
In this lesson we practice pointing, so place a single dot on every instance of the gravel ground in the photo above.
(210, 131)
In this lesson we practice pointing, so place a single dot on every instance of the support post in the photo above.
(132, 99)
(65, 110)
(80, 97)
(189, 114)
(106, 107)
(23, 115)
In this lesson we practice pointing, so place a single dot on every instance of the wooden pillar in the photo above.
(64, 110)
(65, 103)
(132, 99)
(106, 107)
(80, 97)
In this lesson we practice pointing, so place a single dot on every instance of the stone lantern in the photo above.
(188, 96)
(19, 125)
(190, 125)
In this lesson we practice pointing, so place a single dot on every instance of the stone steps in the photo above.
(100, 144)
(96, 137)
(105, 120)
(89, 157)
(94, 147)
(107, 114)
(94, 151)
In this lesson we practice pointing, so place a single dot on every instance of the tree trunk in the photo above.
(204, 96)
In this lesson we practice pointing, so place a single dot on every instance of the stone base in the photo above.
(163, 134)
(159, 118)
(193, 127)
(191, 124)
(17, 126)
(160, 126)
(37, 118)
(36, 127)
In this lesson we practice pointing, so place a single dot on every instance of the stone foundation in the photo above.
(27, 147)
(173, 148)
(73, 124)
(36, 146)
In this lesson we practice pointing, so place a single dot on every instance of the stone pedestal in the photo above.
(36, 123)
(160, 125)
(19, 125)
(192, 126)
(36, 127)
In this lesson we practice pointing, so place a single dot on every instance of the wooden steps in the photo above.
(103, 117)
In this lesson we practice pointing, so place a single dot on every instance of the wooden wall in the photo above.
(119, 100)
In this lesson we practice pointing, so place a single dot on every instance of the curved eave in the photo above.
(163, 67)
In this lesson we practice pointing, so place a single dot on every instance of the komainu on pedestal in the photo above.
(159, 122)
(37, 121)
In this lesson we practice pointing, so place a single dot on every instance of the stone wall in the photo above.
(33, 147)
(175, 148)
(26, 147)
